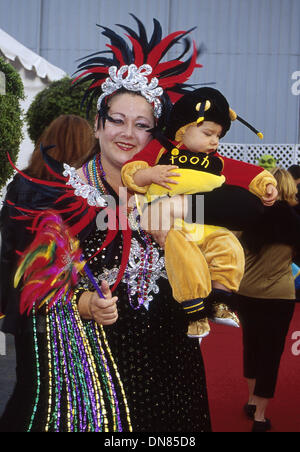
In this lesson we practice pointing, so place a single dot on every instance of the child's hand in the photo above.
(161, 175)
(270, 196)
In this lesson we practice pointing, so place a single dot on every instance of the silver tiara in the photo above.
(135, 80)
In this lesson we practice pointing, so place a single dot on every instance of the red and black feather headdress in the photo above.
(138, 50)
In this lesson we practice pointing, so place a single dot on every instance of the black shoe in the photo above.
(261, 426)
(249, 410)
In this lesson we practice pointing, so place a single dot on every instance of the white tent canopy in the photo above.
(36, 73)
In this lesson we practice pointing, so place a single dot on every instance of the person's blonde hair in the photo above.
(286, 186)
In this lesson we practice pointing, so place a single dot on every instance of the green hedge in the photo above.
(59, 98)
(10, 120)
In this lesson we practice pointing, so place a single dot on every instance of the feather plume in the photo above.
(77, 215)
(50, 266)
(172, 75)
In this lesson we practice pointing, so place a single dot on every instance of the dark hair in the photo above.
(73, 139)
(295, 171)
(160, 122)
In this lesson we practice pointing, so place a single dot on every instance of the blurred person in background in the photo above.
(265, 301)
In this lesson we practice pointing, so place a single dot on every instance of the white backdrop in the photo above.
(36, 74)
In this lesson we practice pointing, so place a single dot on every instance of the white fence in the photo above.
(285, 154)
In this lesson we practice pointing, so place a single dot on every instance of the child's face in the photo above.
(204, 138)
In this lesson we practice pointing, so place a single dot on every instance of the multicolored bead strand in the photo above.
(67, 361)
(50, 372)
(143, 276)
(108, 385)
(95, 394)
(82, 380)
(37, 364)
(94, 172)
(117, 375)
(57, 371)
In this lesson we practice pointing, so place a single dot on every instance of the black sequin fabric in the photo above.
(161, 368)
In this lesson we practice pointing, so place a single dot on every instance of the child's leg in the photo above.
(225, 258)
(186, 266)
(189, 277)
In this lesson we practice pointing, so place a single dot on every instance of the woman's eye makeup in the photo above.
(120, 121)
(143, 125)
(114, 120)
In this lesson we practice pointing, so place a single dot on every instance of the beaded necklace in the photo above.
(143, 276)
(38, 374)
(94, 173)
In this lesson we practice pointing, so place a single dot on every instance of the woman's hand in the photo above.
(159, 217)
(102, 310)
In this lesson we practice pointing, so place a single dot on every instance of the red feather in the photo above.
(94, 70)
(117, 53)
(169, 82)
(174, 97)
(138, 51)
(161, 67)
(33, 179)
(157, 53)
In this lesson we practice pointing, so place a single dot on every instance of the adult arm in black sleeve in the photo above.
(229, 206)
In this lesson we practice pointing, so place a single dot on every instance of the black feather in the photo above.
(156, 35)
(120, 43)
(54, 164)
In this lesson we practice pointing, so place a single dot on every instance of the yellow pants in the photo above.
(196, 255)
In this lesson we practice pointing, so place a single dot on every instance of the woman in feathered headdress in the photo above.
(141, 372)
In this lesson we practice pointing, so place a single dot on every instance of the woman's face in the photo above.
(125, 131)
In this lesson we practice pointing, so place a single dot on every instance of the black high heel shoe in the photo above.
(261, 426)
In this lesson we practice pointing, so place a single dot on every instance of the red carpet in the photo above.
(227, 389)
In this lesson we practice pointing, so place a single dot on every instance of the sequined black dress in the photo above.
(161, 368)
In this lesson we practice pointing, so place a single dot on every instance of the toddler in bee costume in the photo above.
(204, 263)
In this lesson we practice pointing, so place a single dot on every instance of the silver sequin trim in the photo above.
(86, 191)
(135, 80)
